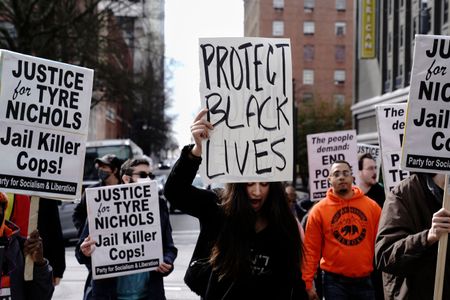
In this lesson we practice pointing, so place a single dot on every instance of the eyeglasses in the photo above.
(338, 174)
(143, 174)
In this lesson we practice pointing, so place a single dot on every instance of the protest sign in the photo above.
(323, 150)
(427, 140)
(44, 118)
(124, 221)
(391, 125)
(374, 151)
(427, 135)
(246, 84)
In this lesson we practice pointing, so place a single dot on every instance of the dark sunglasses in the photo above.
(143, 174)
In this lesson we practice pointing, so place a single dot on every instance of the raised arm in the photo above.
(178, 189)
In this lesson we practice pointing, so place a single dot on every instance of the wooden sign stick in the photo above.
(442, 249)
(32, 225)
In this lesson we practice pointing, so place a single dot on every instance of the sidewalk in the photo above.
(71, 286)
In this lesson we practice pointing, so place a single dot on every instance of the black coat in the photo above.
(272, 283)
(49, 227)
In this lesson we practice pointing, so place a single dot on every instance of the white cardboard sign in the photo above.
(124, 221)
(373, 150)
(323, 150)
(427, 136)
(391, 124)
(44, 118)
(246, 84)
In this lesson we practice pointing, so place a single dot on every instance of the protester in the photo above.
(298, 208)
(293, 204)
(368, 179)
(340, 232)
(48, 225)
(13, 249)
(248, 234)
(367, 167)
(146, 285)
(411, 224)
(108, 167)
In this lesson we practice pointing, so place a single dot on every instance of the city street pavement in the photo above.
(185, 233)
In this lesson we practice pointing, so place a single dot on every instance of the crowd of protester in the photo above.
(257, 239)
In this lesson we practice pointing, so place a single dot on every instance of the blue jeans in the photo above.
(338, 287)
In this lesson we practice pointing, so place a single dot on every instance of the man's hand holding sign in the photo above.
(427, 142)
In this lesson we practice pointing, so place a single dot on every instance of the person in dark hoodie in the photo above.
(248, 235)
(13, 249)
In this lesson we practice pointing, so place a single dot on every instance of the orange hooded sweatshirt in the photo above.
(341, 234)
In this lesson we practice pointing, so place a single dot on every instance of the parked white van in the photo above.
(122, 148)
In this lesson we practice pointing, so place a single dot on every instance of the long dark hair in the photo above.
(230, 256)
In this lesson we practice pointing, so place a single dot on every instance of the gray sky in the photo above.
(185, 22)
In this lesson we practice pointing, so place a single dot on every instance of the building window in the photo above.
(308, 5)
(307, 97)
(390, 6)
(389, 42)
(111, 114)
(340, 5)
(308, 76)
(414, 27)
(339, 53)
(308, 28)
(401, 35)
(445, 12)
(339, 77)
(308, 52)
(278, 28)
(387, 83)
(278, 4)
(339, 99)
(339, 28)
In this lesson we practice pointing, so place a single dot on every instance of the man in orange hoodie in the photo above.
(340, 233)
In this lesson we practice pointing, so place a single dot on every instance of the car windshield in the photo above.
(90, 173)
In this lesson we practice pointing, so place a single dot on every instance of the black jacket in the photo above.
(79, 215)
(267, 246)
(49, 227)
